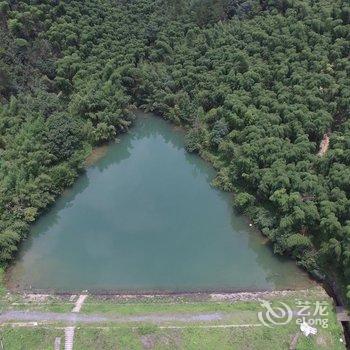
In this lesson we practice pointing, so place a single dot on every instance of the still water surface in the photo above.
(144, 217)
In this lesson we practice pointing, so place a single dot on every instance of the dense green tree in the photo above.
(257, 84)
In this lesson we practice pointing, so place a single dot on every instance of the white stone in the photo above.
(307, 330)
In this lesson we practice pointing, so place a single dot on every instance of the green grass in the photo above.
(49, 307)
(152, 337)
(193, 338)
(2, 284)
(111, 338)
(29, 338)
(168, 304)
(141, 308)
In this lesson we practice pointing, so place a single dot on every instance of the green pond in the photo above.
(144, 217)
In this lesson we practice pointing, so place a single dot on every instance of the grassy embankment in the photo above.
(224, 333)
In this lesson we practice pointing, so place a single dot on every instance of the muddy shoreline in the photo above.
(112, 292)
(175, 296)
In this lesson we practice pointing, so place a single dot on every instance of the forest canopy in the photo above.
(262, 88)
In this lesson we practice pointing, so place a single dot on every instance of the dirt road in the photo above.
(36, 316)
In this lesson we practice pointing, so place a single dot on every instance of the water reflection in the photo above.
(145, 217)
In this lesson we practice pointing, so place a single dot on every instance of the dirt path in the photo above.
(57, 344)
(36, 316)
(69, 331)
(324, 145)
(69, 338)
(79, 303)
